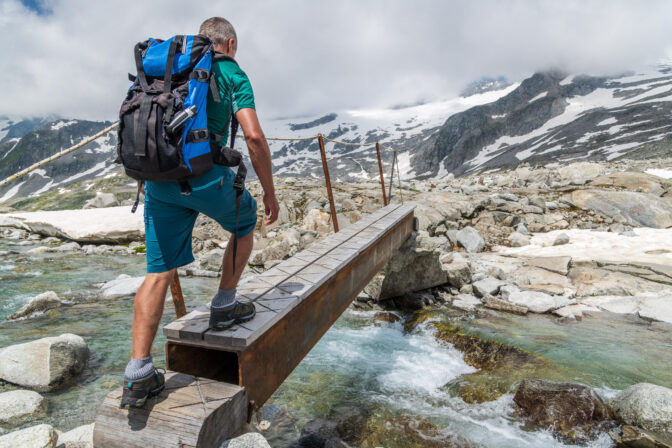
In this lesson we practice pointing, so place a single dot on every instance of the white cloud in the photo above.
(312, 56)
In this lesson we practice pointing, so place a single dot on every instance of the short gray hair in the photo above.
(219, 30)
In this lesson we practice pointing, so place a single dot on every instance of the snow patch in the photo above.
(61, 124)
(538, 97)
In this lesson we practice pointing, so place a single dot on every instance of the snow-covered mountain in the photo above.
(549, 118)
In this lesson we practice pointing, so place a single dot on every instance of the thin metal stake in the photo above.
(178, 298)
(380, 168)
(394, 159)
(325, 167)
(399, 177)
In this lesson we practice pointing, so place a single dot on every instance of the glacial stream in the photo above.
(399, 378)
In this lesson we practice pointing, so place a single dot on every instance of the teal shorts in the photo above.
(170, 215)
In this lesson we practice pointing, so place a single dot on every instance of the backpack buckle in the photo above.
(197, 136)
(238, 183)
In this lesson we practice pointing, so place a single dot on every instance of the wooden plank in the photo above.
(190, 412)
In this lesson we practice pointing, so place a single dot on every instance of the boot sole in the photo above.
(229, 323)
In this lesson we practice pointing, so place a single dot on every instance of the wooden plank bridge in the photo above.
(224, 374)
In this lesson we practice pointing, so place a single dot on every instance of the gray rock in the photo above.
(561, 239)
(40, 436)
(122, 286)
(459, 273)
(249, 440)
(470, 239)
(559, 265)
(645, 405)
(522, 229)
(508, 197)
(212, 260)
(68, 247)
(102, 200)
(489, 286)
(42, 302)
(451, 234)
(538, 302)
(506, 290)
(44, 364)
(466, 302)
(79, 437)
(20, 406)
(502, 305)
(627, 207)
(518, 240)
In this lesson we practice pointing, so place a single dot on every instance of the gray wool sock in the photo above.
(139, 369)
(224, 299)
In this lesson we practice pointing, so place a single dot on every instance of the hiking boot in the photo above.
(136, 393)
(239, 313)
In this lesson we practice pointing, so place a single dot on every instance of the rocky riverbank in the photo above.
(568, 242)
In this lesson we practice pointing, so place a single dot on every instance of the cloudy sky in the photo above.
(70, 57)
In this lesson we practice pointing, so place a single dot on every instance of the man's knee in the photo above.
(159, 279)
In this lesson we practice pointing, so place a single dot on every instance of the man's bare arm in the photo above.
(260, 155)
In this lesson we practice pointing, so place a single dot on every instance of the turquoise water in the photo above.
(391, 373)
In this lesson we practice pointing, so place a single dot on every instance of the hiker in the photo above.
(170, 218)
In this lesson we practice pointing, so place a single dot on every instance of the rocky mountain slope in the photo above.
(548, 119)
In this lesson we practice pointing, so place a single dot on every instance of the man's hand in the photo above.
(271, 208)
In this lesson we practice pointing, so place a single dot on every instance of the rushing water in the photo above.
(391, 373)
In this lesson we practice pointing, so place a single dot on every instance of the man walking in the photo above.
(170, 218)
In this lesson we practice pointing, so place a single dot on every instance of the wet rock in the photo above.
(627, 207)
(79, 437)
(248, 440)
(538, 302)
(633, 437)
(518, 240)
(459, 273)
(573, 311)
(317, 432)
(386, 316)
(466, 302)
(502, 305)
(122, 286)
(102, 200)
(562, 407)
(44, 364)
(67, 247)
(487, 287)
(645, 405)
(470, 239)
(412, 301)
(20, 406)
(561, 239)
(40, 436)
(42, 302)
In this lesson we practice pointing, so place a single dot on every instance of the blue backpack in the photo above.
(163, 133)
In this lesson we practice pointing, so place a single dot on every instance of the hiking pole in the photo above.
(380, 168)
(58, 155)
(325, 167)
(178, 298)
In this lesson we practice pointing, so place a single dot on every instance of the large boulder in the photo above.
(42, 302)
(19, 406)
(562, 407)
(40, 436)
(538, 302)
(470, 239)
(645, 405)
(459, 273)
(79, 437)
(627, 207)
(122, 286)
(411, 268)
(632, 181)
(44, 364)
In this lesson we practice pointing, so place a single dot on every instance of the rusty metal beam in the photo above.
(178, 298)
(380, 169)
(327, 179)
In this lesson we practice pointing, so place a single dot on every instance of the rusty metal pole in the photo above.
(178, 298)
(325, 167)
(380, 168)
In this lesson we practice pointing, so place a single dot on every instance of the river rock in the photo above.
(79, 437)
(489, 286)
(656, 308)
(559, 265)
(470, 239)
(42, 302)
(561, 239)
(518, 240)
(645, 405)
(563, 407)
(44, 364)
(627, 207)
(248, 440)
(40, 436)
(502, 305)
(102, 200)
(386, 316)
(19, 406)
(122, 286)
(538, 302)
(466, 302)
(459, 273)
(633, 437)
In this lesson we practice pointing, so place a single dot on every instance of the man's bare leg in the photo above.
(230, 279)
(147, 311)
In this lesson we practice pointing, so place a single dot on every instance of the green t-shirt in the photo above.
(235, 92)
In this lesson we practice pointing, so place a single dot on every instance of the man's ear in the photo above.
(230, 45)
